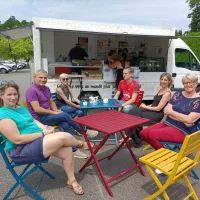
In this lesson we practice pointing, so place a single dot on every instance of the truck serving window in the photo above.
(185, 59)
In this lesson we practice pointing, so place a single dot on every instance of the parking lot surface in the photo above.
(132, 186)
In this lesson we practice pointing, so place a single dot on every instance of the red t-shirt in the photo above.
(128, 90)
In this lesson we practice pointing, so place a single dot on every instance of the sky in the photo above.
(161, 13)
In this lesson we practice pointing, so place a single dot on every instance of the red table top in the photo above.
(110, 122)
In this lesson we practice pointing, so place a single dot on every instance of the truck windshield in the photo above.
(185, 59)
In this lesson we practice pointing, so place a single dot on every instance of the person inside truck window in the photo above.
(120, 65)
(182, 116)
(27, 140)
(77, 53)
(154, 111)
(62, 99)
(129, 89)
(112, 57)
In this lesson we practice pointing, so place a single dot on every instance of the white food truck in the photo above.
(151, 51)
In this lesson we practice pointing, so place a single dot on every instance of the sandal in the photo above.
(77, 188)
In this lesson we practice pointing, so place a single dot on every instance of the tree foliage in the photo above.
(194, 15)
(12, 22)
(178, 33)
(194, 43)
(17, 49)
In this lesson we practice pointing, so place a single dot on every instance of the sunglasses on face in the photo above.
(65, 79)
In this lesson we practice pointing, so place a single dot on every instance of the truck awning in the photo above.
(100, 27)
(17, 33)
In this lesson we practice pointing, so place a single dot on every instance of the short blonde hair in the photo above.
(62, 76)
(192, 77)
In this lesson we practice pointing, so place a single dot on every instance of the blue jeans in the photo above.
(63, 120)
(73, 111)
(127, 108)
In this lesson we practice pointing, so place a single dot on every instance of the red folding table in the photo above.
(110, 122)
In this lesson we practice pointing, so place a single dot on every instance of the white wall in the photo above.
(47, 45)
(64, 41)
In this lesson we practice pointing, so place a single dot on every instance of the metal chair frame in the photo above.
(27, 171)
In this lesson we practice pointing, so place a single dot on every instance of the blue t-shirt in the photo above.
(23, 120)
(184, 105)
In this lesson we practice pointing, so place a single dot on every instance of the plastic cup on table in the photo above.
(84, 103)
(105, 100)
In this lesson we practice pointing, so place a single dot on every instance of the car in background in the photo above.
(9, 63)
(21, 65)
(4, 69)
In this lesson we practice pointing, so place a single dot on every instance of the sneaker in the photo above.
(158, 172)
(80, 154)
(92, 133)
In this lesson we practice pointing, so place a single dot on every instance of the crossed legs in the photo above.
(60, 145)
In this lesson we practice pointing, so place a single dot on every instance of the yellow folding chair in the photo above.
(174, 165)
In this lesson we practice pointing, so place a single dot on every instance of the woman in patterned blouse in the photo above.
(183, 116)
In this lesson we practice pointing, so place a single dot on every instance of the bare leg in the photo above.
(66, 155)
(53, 142)
(59, 144)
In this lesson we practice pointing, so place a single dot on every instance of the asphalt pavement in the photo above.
(132, 186)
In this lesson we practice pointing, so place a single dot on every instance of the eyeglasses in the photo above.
(65, 79)
(188, 83)
(5, 82)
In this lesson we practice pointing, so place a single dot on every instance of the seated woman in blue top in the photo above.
(28, 140)
(183, 116)
(62, 99)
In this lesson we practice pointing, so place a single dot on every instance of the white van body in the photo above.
(54, 37)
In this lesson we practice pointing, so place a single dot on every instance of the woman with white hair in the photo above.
(63, 103)
(183, 116)
(62, 100)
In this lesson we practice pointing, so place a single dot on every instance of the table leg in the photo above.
(129, 148)
(93, 152)
(93, 157)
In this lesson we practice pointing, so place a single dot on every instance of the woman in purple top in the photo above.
(183, 116)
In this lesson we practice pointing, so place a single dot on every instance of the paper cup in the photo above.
(105, 100)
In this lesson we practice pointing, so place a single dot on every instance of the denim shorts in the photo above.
(28, 153)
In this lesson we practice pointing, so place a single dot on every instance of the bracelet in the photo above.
(42, 134)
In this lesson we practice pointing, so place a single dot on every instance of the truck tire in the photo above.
(3, 71)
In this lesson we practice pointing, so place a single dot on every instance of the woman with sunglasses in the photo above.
(28, 140)
(182, 116)
(62, 100)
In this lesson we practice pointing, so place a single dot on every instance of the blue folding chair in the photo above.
(176, 147)
(10, 165)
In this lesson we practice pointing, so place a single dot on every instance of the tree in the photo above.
(194, 43)
(178, 33)
(194, 15)
(12, 22)
(18, 49)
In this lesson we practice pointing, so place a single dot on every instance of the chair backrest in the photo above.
(24, 104)
(54, 96)
(3, 153)
(139, 98)
(190, 145)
